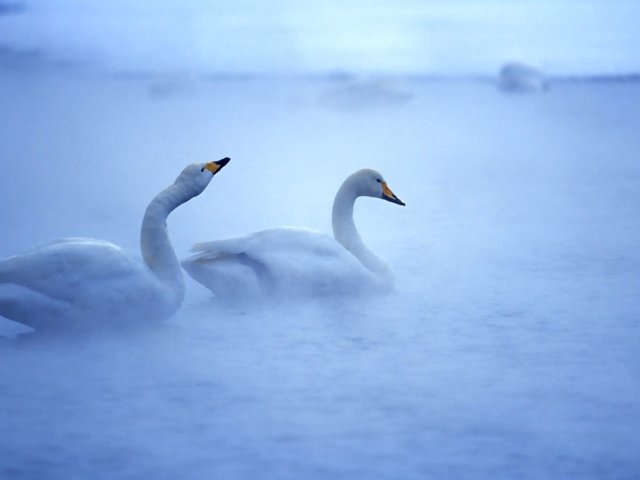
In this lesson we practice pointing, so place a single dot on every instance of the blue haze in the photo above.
(510, 347)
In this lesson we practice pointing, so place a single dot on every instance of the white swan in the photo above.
(295, 261)
(86, 283)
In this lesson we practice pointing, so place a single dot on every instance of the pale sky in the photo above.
(379, 36)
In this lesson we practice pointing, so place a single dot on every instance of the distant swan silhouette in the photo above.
(298, 262)
(84, 283)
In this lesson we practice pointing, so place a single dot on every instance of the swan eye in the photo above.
(202, 170)
(378, 180)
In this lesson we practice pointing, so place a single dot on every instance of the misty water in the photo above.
(508, 350)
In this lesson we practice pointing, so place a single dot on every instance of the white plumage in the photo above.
(292, 262)
(86, 283)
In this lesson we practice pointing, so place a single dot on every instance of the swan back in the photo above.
(278, 262)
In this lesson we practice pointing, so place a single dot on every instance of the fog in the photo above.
(509, 347)
(570, 37)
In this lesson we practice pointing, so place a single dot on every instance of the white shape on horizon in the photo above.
(356, 94)
(520, 78)
(294, 262)
(83, 283)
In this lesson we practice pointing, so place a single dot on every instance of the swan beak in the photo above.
(387, 194)
(215, 167)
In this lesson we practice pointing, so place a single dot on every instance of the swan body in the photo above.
(293, 262)
(85, 283)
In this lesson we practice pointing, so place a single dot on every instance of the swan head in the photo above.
(197, 176)
(370, 183)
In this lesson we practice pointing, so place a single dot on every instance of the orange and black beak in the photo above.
(388, 195)
(215, 167)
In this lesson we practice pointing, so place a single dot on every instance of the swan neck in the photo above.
(344, 229)
(346, 233)
(157, 251)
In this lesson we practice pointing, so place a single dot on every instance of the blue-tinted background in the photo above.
(510, 347)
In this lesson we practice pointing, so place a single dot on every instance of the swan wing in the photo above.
(292, 260)
(62, 269)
